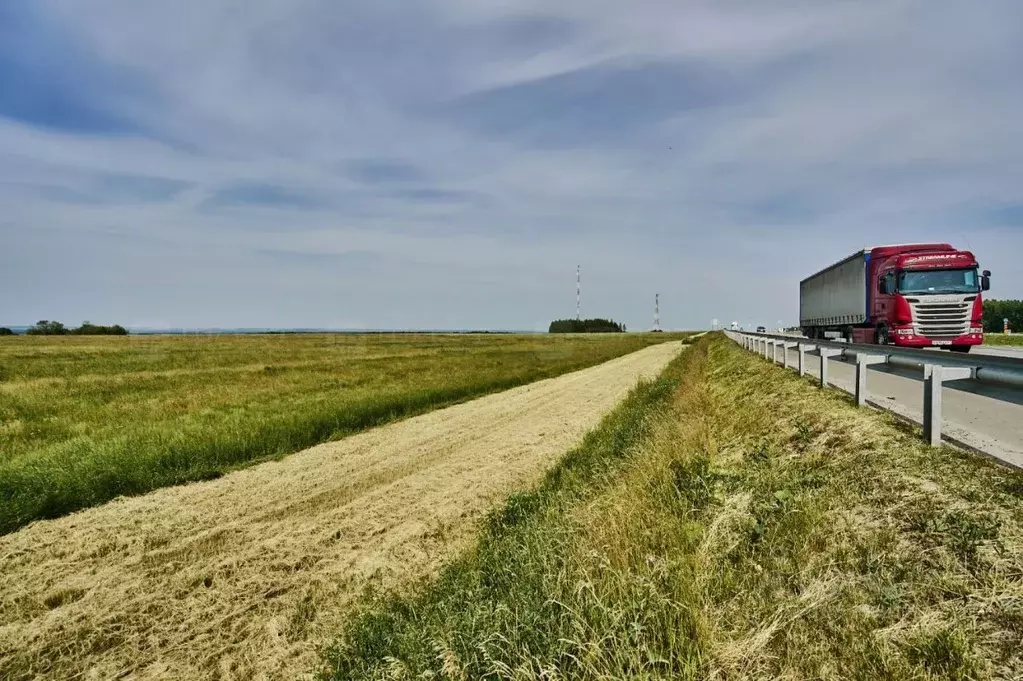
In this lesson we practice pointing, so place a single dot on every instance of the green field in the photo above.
(728, 521)
(999, 339)
(86, 419)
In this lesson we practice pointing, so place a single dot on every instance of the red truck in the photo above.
(914, 295)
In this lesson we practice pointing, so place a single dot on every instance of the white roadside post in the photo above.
(803, 349)
(934, 376)
(824, 353)
(863, 363)
(786, 346)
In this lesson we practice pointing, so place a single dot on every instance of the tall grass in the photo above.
(747, 525)
(83, 420)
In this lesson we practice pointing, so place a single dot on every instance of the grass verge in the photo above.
(86, 419)
(729, 521)
(999, 339)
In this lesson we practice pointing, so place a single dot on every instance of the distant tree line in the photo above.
(586, 326)
(997, 310)
(4, 331)
(46, 327)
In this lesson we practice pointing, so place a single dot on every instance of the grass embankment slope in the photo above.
(730, 521)
(999, 339)
(86, 419)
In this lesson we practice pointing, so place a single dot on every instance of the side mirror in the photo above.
(985, 281)
(882, 288)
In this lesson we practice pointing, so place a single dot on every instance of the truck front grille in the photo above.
(942, 319)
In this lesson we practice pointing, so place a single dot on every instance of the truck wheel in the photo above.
(849, 337)
(881, 336)
(960, 348)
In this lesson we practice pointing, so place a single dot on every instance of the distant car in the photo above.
(761, 329)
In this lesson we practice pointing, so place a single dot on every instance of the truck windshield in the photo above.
(938, 281)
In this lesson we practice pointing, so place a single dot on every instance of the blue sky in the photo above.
(448, 163)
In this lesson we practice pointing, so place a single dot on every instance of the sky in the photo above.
(448, 163)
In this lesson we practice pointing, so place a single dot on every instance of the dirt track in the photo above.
(243, 577)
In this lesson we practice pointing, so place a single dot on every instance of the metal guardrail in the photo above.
(937, 368)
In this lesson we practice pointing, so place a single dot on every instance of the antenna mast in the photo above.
(657, 312)
(578, 292)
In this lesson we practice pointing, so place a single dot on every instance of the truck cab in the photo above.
(926, 295)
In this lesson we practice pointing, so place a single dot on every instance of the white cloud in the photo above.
(712, 151)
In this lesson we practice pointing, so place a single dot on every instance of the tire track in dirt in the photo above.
(245, 576)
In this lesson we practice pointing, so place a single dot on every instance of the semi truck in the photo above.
(914, 295)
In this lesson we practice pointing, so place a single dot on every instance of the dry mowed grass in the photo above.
(87, 419)
(245, 576)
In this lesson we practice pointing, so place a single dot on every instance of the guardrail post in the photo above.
(785, 347)
(931, 434)
(803, 349)
(863, 362)
(824, 354)
(934, 376)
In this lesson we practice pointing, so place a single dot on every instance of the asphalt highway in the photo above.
(999, 351)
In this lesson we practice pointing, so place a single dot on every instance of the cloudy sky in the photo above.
(448, 163)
